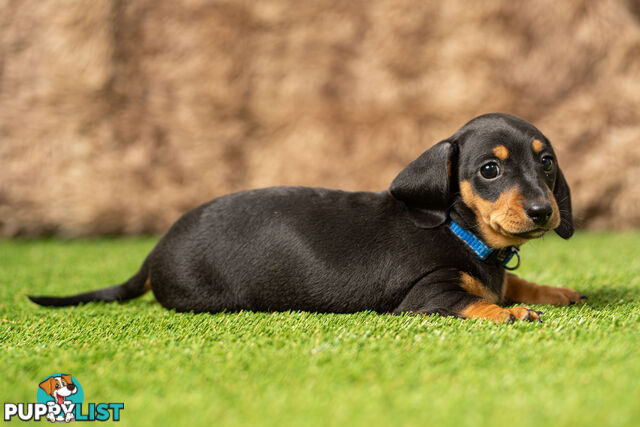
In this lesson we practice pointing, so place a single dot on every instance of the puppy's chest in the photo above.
(487, 283)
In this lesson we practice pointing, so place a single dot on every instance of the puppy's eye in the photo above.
(57, 385)
(490, 170)
(547, 163)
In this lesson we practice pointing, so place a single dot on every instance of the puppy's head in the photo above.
(498, 175)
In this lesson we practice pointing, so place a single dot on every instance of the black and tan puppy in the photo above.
(436, 242)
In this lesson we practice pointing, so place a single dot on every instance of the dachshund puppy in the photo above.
(438, 241)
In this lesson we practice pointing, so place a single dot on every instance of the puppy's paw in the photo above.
(487, 310)
(524, 314)
(560, 296)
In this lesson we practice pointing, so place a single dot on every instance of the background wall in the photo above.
(117, 116)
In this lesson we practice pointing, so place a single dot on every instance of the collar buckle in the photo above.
(505, 255)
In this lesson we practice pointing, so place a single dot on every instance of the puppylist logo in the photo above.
(60, 399)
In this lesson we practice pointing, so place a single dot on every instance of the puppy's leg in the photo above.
(457, 295)
(516, 289)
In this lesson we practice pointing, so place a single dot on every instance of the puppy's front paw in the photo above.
(524, 314)
(560, 296)
(487, 310)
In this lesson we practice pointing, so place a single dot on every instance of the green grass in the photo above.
(580, 367)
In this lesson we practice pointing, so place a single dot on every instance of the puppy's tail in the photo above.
(132, 288)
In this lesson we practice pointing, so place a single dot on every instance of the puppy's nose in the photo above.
(71, 387)
(539, 212)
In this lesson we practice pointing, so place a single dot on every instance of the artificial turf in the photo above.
(580, 367)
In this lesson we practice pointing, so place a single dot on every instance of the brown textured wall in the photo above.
(116, 116)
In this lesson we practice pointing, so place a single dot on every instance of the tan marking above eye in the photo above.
(537, 145)
(501, 152)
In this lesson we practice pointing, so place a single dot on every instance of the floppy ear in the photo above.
(424, 185)
(67, 378)
(47, 385)
(563, 198)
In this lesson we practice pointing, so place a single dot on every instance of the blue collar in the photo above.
(481, 249)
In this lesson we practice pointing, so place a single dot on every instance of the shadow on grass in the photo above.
(611, 297)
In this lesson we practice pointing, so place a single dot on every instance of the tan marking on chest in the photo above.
(475, 287)
(505, 286)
